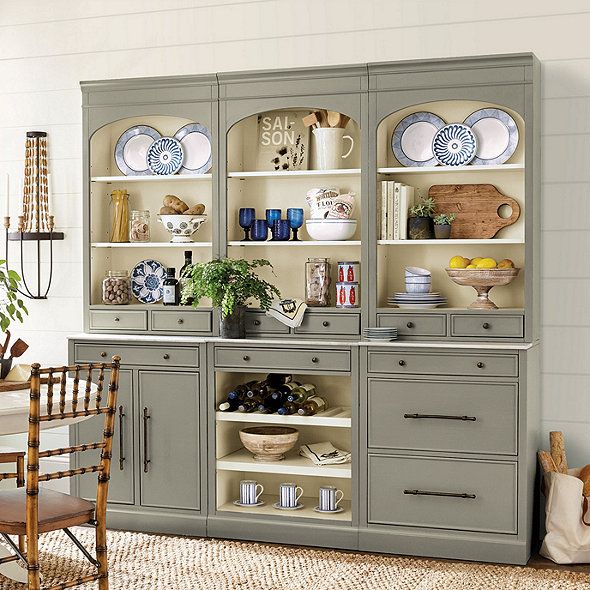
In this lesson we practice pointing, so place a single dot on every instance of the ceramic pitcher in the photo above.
(329, 147)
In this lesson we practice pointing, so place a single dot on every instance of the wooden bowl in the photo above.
(269, 443)
(482, 280)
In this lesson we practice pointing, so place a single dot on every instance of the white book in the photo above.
(383, 212)
(390, 187)
(396, 209)
(406, 201)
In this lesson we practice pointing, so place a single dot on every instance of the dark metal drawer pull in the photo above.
(117, 319)
(480, 365)
(440, 417)
(315, 359)
(325, 323)
(256, 322)
(180, 321)
(121, 439)
(485, 326)
(246, 357)
(442, 494)
(166, 356)
(103, 354)
(146, 459)
(410, 324)
(402, 363)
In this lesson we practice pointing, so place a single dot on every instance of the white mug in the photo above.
(328, 148)
(249, 492)
(289, 495)
(329, 499)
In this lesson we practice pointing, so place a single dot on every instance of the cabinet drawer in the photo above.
(452, 416)
(413, 324)
(118, 320)
(443, 493)
(282, 359)
(506, 326)
(138, 355)
(456, 363)
(330, 323)
(257, 322)
(181, 321)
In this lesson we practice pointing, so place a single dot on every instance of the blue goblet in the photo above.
(272, 215)
(260, 230)
(247, 216)
(281, 230)
(295, 218)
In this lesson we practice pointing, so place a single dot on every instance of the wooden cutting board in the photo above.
(476, 206)
(19, 385)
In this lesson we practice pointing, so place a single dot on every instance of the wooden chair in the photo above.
(30, 511)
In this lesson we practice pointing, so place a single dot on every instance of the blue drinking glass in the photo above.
(281, 230)
(295, 218)
(272, 215)
(259, 230)
(247, 216)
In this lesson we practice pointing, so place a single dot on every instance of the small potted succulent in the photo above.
(442, 225)
(420, 220)
(12, 309)
(229, 284)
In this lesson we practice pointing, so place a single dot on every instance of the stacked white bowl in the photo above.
(418, 280)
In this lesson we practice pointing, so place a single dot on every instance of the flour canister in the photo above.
(347, 295)
(349, 272)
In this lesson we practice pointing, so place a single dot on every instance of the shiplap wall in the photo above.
(46, 48)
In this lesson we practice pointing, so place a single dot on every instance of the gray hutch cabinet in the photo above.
(442, 424)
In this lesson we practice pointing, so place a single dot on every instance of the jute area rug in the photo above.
(154, 562)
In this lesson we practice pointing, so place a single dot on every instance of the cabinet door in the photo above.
(169, 439)
(121, 488)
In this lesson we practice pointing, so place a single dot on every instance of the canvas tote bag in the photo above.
(567, 512)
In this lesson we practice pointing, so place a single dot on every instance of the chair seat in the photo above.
(56, 511)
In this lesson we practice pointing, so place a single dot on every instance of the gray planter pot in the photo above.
(442, 232)
(234, 325)
(420, 228)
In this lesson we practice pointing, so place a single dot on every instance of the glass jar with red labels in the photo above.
(347, 294)
(349, 272)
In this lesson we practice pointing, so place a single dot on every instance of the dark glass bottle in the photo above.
(239, 392)
(171, 288)
(301, 393)
(312, 406)
(229, 405)
(277, 379)
(249, 405)
(288, 408)
(270, 405)
(183, 276)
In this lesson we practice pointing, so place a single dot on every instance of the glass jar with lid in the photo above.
(317, 282)
(116, 288)
(139, 226)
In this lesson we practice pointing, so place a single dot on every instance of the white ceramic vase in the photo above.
(328, 148)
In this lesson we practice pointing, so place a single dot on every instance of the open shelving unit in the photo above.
(167, 178)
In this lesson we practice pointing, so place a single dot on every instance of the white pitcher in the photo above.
(328, 148)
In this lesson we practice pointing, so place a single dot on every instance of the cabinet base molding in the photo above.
(143, 520)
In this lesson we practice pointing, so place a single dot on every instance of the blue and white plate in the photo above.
(497, 136)
(147, 281)
(165, 156)
(412, 138)
(131, 150)
(196, 143)
(454, 145)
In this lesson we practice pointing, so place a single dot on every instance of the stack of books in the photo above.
(396, 199)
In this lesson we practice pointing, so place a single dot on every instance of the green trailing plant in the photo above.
(228, 283)
(12, 307)
(424, 208)
(444, 218)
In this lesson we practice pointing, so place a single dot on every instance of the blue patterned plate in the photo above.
(147, 281)
(411, 141)
(454, 145)
(497, 136)
(131, 150)
(196, 142)
(165, 156)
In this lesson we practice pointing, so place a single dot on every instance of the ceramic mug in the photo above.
(328, 148)
(249, 492)
(289, 495)
(329, 499)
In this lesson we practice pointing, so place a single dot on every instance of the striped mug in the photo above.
(329, 499)
(289, 495)
(249, 493)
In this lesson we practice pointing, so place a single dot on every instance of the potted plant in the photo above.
(229, 284)
(11, 308)
(420, 220)
(442, 225)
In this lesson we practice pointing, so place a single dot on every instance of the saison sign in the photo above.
(283, 141)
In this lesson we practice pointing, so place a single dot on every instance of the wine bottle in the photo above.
(249, 405)
(229, 405)
(288, 408)
(301, 393)
(184, 275)
(277, 379)
(270, 405)
(239, 392)
(287, 388)
(312, 406)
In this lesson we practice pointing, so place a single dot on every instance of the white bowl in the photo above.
(416, 271)
(418, 287)
(330, 229)
(418, 280)
(182, 227)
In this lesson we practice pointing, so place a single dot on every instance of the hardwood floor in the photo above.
(540, 563)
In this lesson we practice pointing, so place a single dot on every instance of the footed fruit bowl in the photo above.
(269, 443)
(482, 280)
(181, 226)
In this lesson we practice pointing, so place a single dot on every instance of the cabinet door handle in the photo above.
(410, 324)
(315, 359)
(117, 319)
(485, 326)
(166, 356)
(440, 417)
(180, 321)
(440, 494)
(480, 365)
(325, 323)
(103, 354)
(246, 358)
(146, 459)
(256, 322)
(402, 363)
(121, 439)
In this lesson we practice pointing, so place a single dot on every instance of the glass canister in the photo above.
(139, 226)
(120, 223)
(317, 282)
(116, 288)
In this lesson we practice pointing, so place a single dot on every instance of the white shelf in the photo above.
(443, 169)
(293, 464)
(315, 243)
(295, 173)
(487, 242)
(184, 245)
(152, 178)
(306, 512)
(338, 417)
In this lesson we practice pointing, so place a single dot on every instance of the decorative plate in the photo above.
(165, 156)
(497, 136)
(196, 143)
(412, 138)
(454, 145)
(147, 281)
(131, 150)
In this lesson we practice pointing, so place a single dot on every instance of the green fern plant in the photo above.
(12, 307)
(228, 283)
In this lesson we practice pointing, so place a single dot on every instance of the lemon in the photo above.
(476, 260)
(486, 263)
(471, 266)
(506, 263)
(458, 262)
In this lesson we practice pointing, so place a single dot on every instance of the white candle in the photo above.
(7, 214)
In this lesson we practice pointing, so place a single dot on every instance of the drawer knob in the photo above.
(315, 359)
(246, 357)
(325, 323)
(402, 363)
(410, 324)
(180, 321)
(485, 326)
(117, 320)
(103, 354)
(256, 322)
(480, 365)
(166, 356)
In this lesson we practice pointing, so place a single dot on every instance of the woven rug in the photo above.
(154, 562)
